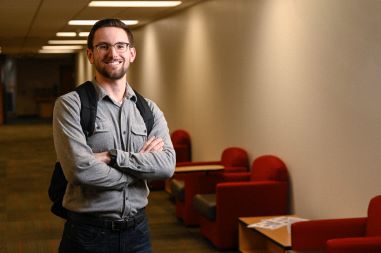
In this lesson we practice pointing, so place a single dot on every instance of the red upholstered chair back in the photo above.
(182, 144)
(373, 226)
(234, 157)
(268, 167)
(180, 137)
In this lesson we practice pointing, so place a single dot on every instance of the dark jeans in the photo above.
(83, 238)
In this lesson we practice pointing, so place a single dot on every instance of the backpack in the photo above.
(88, 97)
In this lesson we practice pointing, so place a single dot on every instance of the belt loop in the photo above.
(114, 227)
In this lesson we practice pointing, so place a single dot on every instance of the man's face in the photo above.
(110, 59)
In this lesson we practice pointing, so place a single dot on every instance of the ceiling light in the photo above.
(71, 42)
(83, 34)
(66, 34)
(134, 3)
(92, 22)
(56, 51)
(63, 47)
(82, 22)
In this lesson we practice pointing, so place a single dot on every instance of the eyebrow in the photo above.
(104, 42)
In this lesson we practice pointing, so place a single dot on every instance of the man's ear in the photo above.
(132, 54)
(90, 55)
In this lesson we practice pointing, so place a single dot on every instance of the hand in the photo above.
(153, 144)
(103, 157)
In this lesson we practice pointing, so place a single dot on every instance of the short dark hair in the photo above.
(109, 23)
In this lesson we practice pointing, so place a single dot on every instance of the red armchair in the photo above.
(186, 185)
(181, 141)
(345, 235)
(261, 192)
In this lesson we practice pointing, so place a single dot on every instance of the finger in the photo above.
(151, 145)
(155, 145)
(148, 142)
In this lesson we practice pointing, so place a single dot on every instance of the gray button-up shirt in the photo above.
(93, 186)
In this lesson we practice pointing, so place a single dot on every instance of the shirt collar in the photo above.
(130, 94)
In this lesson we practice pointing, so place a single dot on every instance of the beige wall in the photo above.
(297, 78)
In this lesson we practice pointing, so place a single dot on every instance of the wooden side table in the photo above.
(192, 168)
(195, 168)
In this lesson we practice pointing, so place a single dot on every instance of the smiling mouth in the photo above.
(114, 62)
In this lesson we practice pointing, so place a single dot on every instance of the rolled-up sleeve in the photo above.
(77, 159)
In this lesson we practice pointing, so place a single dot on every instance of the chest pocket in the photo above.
(138, 136)
(102, 138)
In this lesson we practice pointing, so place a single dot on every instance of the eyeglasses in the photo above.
(120, 47)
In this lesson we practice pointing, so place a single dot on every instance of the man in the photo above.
(107, 172)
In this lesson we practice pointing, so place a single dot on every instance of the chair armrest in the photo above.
(251, 198)
(314, 234)
(179, 164)
(355, 245)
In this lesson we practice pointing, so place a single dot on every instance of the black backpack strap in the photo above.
(89, 100)
(145, 111)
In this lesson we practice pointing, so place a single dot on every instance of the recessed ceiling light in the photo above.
(82, 22)
(63, 47)
(83, 34)
(134, 3)
(66, 34)
(56, 51)
(92, 22)
(71, 42)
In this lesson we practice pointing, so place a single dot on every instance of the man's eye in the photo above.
(102, 47)
(120, 46)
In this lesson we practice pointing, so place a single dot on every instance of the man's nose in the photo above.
(112, 50)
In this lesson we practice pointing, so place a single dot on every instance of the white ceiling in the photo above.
(26, 25)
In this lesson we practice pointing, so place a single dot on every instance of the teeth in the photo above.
(114, 62)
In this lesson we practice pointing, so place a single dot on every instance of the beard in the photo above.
(111, 74)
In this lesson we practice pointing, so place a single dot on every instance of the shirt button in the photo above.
(124, 132)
